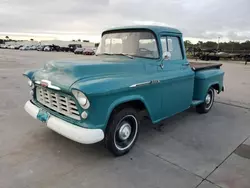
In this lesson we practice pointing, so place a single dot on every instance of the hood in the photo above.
(64, 74)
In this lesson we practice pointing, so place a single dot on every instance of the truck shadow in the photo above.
(167, 125)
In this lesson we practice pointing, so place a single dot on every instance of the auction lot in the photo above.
(190, 150)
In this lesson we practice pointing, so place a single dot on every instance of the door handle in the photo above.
(185, 64)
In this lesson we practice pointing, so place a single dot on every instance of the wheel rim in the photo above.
(209, 99)
(126, 132)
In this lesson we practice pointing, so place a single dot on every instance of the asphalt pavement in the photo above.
(188, 151)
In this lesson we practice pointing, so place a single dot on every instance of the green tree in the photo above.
(199, 44)
(210, 45)
(188, 43)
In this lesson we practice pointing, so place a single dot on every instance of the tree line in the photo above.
(223, 46)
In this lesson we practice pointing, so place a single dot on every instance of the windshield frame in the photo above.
(136, 30)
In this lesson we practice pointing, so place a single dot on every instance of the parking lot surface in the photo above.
(190, 150)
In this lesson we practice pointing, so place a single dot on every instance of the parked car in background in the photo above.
(18, 46)
(26, 47)
(47, 48)
(33, 47)
(73, 47)
(52, 48)
(40, 47)
(104, 98)
(12, 47)
(88, 52)
(8, 46)
(55, 48)
(64, 49)
(79, 51)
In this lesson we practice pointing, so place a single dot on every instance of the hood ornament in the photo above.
(47, 83)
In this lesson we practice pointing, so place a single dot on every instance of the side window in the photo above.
(175, 48)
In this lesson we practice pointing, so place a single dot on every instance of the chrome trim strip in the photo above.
(140, 84)
(145, 83)
(54, 87)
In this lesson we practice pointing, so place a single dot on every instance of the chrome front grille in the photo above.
(57, 102)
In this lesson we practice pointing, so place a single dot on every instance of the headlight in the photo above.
(81, 98)
(30, 83)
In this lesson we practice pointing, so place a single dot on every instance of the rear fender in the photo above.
(206, 79)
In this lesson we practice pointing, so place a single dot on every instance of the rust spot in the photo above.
(243, 150)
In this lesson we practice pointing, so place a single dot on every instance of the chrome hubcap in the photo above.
(208, 99)
(125, 131)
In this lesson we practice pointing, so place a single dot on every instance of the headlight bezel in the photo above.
(81, 98)
(30, 82)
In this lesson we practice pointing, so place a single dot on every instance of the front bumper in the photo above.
(71, 131)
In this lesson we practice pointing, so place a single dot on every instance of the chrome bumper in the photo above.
(71, 131)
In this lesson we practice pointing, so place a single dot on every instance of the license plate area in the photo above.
(43, 116)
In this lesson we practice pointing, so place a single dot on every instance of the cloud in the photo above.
(205, 19)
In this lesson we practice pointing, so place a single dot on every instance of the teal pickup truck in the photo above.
(138, 68)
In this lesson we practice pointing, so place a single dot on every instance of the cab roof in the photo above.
(153, 28)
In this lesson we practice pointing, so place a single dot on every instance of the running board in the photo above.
(196, 102)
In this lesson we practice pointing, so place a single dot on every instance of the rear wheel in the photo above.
(208, 102)
(122, 131)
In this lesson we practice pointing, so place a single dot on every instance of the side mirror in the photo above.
(166, 56)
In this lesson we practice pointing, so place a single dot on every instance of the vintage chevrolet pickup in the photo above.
(138, 68)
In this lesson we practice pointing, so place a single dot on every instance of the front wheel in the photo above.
(122, 131)
(208, 102)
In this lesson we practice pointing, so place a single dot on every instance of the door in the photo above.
(177, 77)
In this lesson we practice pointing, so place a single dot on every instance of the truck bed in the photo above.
(203, 66)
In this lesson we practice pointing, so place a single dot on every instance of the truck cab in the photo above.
(137, 68)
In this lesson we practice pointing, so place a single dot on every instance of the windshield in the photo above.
(132, 43)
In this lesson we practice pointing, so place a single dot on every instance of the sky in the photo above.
(86, 19)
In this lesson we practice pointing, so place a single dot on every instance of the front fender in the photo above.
(126, 99)
(29, 74)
